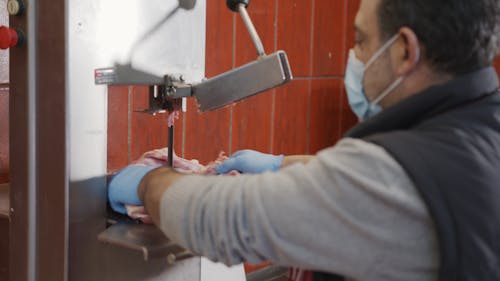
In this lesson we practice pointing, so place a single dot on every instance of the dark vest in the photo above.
(447, 139)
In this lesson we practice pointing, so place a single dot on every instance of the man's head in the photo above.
(438, 39)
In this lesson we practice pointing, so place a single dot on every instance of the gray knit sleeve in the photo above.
(351, 210)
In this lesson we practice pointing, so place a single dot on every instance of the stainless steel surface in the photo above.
(183, 4)
(147, 239)
(176, 46)
(266, 73)
(251, 29)
(147, 34)
(187, 4)
(4, 201)
(101, 33)
(125, 75)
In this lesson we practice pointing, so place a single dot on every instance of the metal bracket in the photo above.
(267, 72)
(147, 239)
(165, 93)
(160, 101)
(176, 87)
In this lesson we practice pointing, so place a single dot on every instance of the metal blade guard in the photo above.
(261, 75)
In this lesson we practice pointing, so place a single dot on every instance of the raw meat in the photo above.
(172, 116)
(159, 157)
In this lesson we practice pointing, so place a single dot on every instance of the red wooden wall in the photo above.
(301, 118)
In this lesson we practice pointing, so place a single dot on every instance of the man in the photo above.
(411, 193)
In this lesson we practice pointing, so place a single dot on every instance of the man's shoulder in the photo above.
(358, 153)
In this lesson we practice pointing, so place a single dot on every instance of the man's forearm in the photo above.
(152, 188)
(156, 182)
(292, 159)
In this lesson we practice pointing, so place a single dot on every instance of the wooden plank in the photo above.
(52, 147)
(19, 255)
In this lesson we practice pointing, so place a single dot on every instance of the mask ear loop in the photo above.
(375, 56)
(389, 89)
(379, 52)
(398, 81)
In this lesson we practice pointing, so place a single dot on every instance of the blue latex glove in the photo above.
(250, 162)
(123, 187)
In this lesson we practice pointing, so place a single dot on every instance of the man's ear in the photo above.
(409, 55)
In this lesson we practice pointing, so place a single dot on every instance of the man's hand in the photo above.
(122, 189)
(153, 186)
(250, 162)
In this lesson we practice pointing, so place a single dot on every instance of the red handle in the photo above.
(8, 37)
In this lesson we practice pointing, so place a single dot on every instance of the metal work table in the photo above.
(147, 239)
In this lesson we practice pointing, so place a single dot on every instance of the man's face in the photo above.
(379, 75)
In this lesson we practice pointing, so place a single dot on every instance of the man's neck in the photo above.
(421, 79)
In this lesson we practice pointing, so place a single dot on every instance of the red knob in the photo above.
(8, 37)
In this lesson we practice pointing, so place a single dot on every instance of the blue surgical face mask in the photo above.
(355, 72)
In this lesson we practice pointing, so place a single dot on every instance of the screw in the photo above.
(171, 258)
